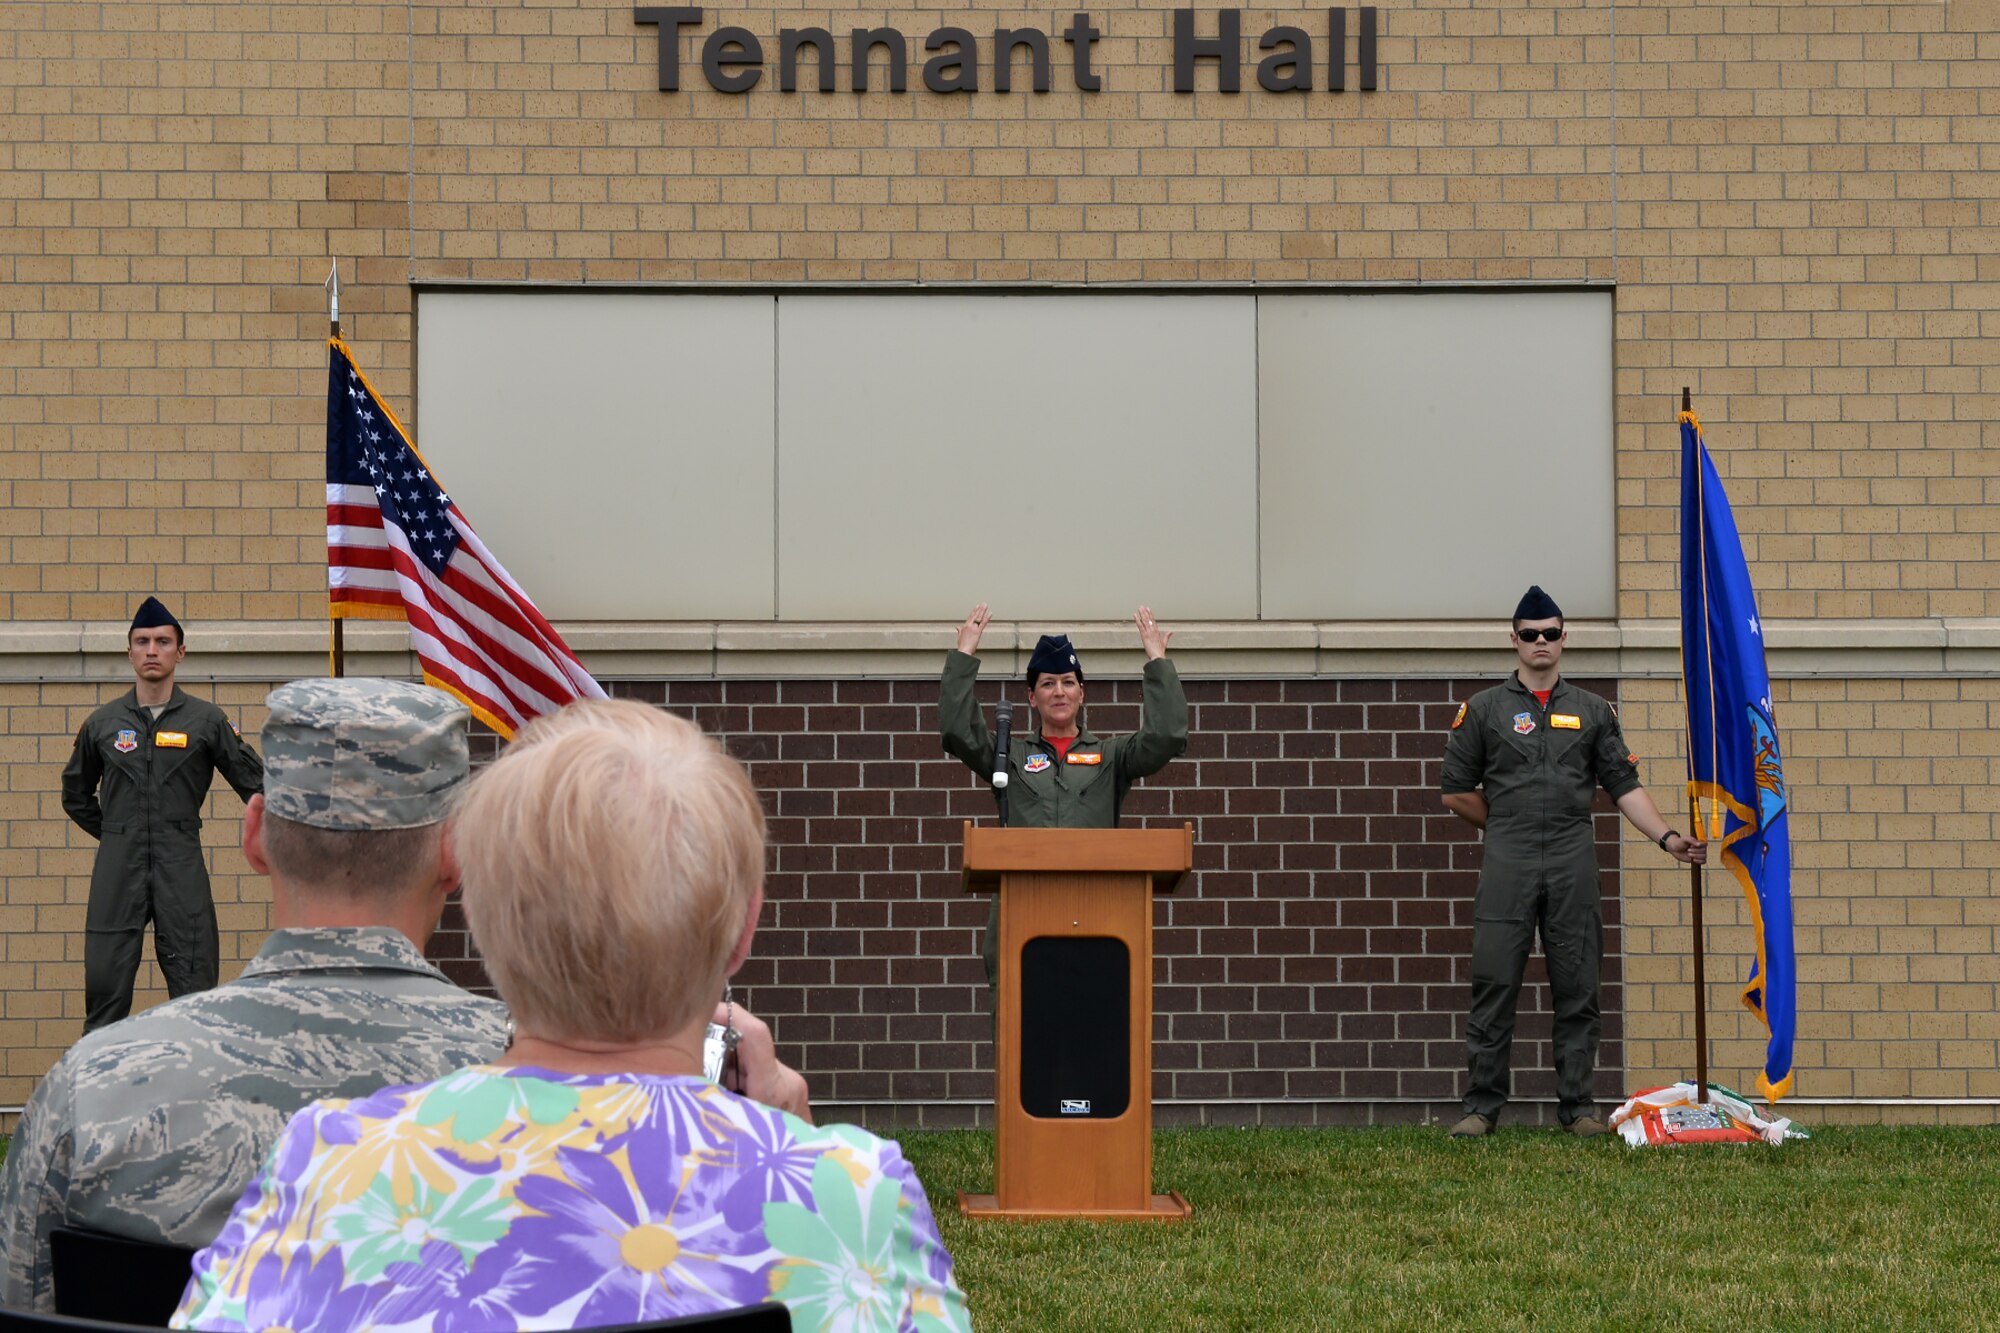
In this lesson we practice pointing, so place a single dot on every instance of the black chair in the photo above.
(117, 1280)
(20, 1321)
(767, 1318)
(110, 1282)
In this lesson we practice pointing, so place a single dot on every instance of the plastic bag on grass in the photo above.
(1659, 1117)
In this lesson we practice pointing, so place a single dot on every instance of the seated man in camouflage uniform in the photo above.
(151, 1127)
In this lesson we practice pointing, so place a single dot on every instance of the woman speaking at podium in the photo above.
(1058, 774)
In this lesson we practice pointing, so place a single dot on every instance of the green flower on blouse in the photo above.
(843, 1266)
(478, 1102)
(378, 1231)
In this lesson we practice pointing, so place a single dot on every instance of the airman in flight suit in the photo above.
(1523, 763)
(1060, 774)
(136, 782)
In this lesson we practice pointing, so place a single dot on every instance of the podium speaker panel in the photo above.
(1076, 1027)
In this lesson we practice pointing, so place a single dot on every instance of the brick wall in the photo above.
(1791, 200)
(1319, 952)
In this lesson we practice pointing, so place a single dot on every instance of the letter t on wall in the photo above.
(671, 22)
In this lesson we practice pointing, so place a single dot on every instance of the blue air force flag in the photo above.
(1734, 763)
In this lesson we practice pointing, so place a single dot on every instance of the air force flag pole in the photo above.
(1734, 762)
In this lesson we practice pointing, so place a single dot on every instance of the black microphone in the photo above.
(1004, 717)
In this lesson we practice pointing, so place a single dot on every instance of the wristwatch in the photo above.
(1670, 833)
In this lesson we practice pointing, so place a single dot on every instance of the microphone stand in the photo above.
(1003, 716)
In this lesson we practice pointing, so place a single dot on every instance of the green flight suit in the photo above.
(137, 784)
(1044, 791)
(1539, 769)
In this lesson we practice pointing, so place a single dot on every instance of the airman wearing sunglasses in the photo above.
(1523, 764)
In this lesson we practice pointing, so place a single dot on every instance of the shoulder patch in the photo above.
(1631, 758)
(1458, 720)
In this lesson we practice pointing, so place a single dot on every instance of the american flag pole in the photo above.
(337, 650)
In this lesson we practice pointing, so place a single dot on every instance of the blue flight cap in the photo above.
(152, 614)
(1054, 655)
(1537, 605)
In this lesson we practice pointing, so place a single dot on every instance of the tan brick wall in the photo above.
(1801, 229)
(1803, 232)
(1893, 801)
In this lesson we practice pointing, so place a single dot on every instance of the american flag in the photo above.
(397, 548)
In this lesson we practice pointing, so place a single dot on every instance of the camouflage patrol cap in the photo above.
(363, 754)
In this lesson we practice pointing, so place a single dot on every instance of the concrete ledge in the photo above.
(1972, 647)
(765, 649)
(269, 650)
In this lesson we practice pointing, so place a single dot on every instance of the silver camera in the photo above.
(718, 1051)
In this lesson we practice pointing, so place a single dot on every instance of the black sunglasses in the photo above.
(1536, 635)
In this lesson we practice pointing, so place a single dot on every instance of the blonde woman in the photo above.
(614, 861)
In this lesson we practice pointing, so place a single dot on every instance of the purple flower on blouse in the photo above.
(338, 1123)
(619, 1238)
(458, 1299)
(923, 1225)
(304, 1294)
(774, 1169)
(682, 1107)
(734, 1133)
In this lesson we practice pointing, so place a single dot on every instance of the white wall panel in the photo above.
(1059, 456)
(1428, 455)
(900, 456)
(614, 450)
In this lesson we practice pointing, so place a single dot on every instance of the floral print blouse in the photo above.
(523, 1199)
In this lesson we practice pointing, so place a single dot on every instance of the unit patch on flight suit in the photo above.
(128, 741)
(176, 739)
(1085, 758)
(1459, 718)
(1523, 723)
(1036, 763)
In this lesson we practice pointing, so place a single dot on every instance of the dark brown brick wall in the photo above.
(1314, 968)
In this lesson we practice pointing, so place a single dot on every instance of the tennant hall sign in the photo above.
(733, 60)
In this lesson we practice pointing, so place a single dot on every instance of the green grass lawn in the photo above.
(1856, 1228)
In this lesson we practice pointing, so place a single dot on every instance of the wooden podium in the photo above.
(1073, 1046)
